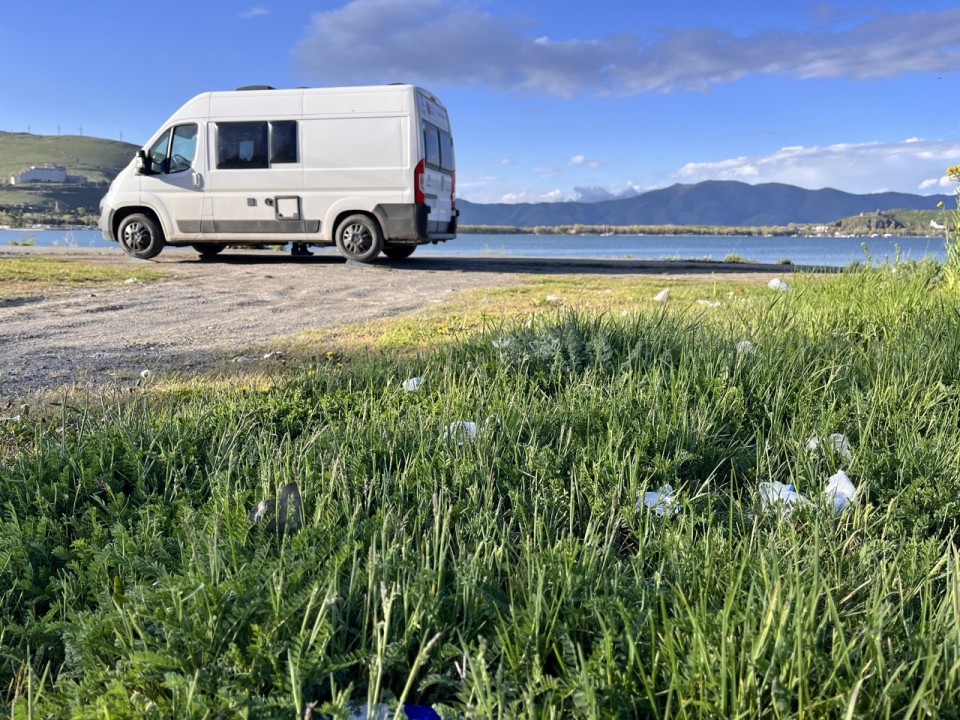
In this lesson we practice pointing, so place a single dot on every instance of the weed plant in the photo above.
(512, 575)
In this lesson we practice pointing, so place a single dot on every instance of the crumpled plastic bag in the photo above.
(382, 712)
(778, 284)
(412, 384)
(775, 493)
(662, 501)
(662, 296)
(461, 431)
(836, 442)
(840, 490)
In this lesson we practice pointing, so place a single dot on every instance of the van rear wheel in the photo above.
(208, 250)
(359, 238)
(140, 237)
(399, 252)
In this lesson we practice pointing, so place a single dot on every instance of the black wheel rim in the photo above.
(136, 236)
(357, 238)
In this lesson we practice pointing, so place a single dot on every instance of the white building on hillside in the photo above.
(46, 173)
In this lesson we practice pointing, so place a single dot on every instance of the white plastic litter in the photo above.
(662, 501)
(778, 284)
(840, 490)
(662, 296)
(836, 442)
(145, 375)
(382, 712)
(553, 299)
(461, 431)
(411, 384)
(274, 354)
(130, 281)
(776, 493)
(500, 343)
(745, 347)
(10, 418)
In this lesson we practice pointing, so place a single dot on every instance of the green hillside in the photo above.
(52, 203)
(100, 160)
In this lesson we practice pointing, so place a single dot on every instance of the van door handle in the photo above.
(197, 180)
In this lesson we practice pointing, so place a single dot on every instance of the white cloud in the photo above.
(938, 184)
(584, 161)
(383, 41)
(859, 168)
(255, 11)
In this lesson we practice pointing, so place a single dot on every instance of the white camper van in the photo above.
(368, 169)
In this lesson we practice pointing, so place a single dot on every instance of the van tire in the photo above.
(359, 238)
(208, 250)
(140, 236)
(399, 252)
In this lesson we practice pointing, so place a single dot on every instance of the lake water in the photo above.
(800, 250)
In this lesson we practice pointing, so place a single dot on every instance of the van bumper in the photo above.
(411, 224)
(106, 225)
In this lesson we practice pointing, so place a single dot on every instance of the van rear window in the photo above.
(446, 152)
(438, 147)
(431, 144)
(256, 144)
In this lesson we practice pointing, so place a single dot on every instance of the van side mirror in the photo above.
(140, 162)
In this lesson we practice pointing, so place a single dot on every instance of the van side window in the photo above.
(431, 144)
(283, 141)
(242, 145)
(256, 144)
(165, 157)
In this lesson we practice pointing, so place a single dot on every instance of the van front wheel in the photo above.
(359, 238)
(140, 237)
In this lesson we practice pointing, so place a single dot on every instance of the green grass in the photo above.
(27, 276)
(513, 576)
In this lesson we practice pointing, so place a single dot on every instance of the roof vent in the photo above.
(257, 87)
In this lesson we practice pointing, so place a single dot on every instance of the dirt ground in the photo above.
(209, 312)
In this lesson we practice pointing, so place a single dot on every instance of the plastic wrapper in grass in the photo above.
(662, 501)
(745, 347)
(836, 443)
(662, 296)
(462, 430)
(778, 284)
(840, 490)
(412, 384)
(776, 494)
(382, 712)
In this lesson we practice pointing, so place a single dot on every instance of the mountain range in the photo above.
(714, 202)
(719, 203)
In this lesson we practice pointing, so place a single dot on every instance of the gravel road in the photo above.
(209, 311)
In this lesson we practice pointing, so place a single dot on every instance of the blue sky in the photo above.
(555, 100)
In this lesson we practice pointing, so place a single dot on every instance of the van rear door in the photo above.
(438, 179)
